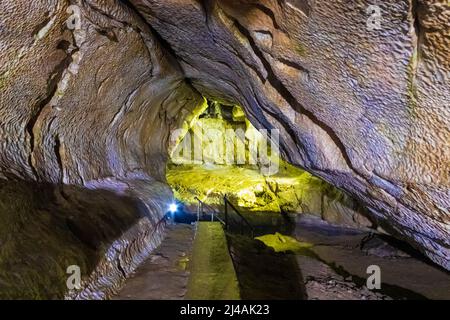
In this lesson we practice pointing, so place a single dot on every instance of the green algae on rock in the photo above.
(283, 243)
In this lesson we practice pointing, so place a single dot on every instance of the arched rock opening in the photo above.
(93, 106)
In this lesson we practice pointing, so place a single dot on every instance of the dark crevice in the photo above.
(269, 13)
(57, 150)
(294, 65)
(255, 68)
(417, 45)
(207, 8)
(123, 108)
(52, 86)
(171, 56)
(110, 34)
(302, 5)
(266, 32)
(415, 10)
(119, 266)
(121, 5)
(290, 129)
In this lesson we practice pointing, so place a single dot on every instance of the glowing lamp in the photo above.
(173, 208)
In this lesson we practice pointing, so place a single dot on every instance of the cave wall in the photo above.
(365, 110)
(80, 105)
(368, 111)
(46, 229)
(89, 108)
(285, 188)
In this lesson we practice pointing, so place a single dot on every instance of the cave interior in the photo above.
(225, 149)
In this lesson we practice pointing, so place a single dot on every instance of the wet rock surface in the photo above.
(375, 245)
(331, 266)
(322, 283)
(264, 274)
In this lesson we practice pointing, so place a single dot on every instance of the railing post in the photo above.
(198, 212)
(203, 211)
(226, 212)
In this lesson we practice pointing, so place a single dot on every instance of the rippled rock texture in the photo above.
(90, 106)
(47, 228)
(367, 111)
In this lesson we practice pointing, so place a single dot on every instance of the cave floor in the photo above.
(340, 258)
(334, 268)
(165, 274)
(212, 274)
(334, 265)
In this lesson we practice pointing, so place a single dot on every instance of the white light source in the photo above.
(173, 208)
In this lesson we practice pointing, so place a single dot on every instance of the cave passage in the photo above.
(288, 235)
(186, 149)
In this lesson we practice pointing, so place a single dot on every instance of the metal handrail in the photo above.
(227, 202)
(203, 205)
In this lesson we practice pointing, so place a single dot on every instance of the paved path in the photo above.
(165, 274)
(212, 272)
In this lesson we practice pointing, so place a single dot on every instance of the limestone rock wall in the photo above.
(88, 100)
(368, 111)
(47, 230)
(79, 105)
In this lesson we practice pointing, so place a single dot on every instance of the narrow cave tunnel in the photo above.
(223, 150)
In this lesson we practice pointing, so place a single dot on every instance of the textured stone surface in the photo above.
(46, 228)
(349, 252)
(165, 274)
(368, 111)
(91, 107)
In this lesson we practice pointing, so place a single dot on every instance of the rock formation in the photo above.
(91, 90)
(368, 111)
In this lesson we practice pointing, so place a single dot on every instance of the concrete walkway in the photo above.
(184, 268)
(164, 275)
(212, 272)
